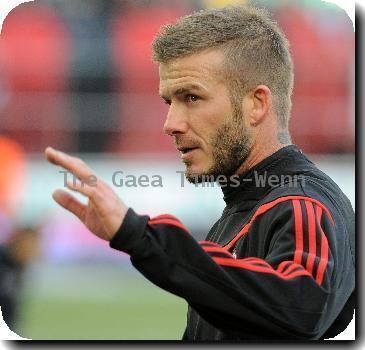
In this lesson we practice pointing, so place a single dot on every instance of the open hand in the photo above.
(104, 212)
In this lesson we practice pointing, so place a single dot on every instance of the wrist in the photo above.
(130, 232)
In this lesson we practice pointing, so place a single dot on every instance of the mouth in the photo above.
(186, 150)
(187, 153)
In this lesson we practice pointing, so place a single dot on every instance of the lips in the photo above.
(185, 150)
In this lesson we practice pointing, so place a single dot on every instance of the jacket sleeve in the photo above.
(285, 293)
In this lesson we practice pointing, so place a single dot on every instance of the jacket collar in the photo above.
(255, 182)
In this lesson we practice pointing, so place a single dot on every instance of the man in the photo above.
(279, 263)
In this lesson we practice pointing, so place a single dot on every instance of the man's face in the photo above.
(209, 131)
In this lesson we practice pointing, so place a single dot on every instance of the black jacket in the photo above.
(278, 264)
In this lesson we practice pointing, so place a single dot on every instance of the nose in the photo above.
(176, 122)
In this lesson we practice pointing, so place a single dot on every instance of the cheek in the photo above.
(209, 122)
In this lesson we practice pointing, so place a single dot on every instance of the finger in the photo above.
(49, 155)
(80, 187)
(72, 164)
(70, 203)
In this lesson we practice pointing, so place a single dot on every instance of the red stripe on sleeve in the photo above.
(282, 266)
(241, 263)
(287, 269)
(209, 243)
(324, 249)
(311, 237)
(217, 250)
(298, 219)
(291, 268)
(256, 261)
(165, 216)
(168, 222)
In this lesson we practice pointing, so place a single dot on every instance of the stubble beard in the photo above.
(231, 145)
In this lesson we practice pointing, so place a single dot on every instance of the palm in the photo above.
(93, 222)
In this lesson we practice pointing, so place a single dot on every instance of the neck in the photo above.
(260, 151)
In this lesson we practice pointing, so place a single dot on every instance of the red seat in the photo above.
(143, 112)
(132, 34)
(323, 114)
(35, 47)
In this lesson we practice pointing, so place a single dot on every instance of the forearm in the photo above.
(228, 298)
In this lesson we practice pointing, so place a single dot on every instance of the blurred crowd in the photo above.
(19, 244)
(20, 249)
(78, 74)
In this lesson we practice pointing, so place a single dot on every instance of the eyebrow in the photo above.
(182, 90)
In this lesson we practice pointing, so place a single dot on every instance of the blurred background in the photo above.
(77, 75)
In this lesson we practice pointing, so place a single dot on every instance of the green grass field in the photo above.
(98, 303)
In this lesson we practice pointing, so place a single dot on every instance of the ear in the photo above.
(260, 103)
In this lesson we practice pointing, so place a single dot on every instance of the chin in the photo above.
(197, 175)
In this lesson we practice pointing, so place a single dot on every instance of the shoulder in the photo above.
(315, 187)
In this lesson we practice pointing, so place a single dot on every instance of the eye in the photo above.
(191, 98)
(167, 102)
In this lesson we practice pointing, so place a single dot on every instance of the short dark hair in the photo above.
(256, 50)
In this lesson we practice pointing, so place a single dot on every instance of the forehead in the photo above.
(203, 68)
